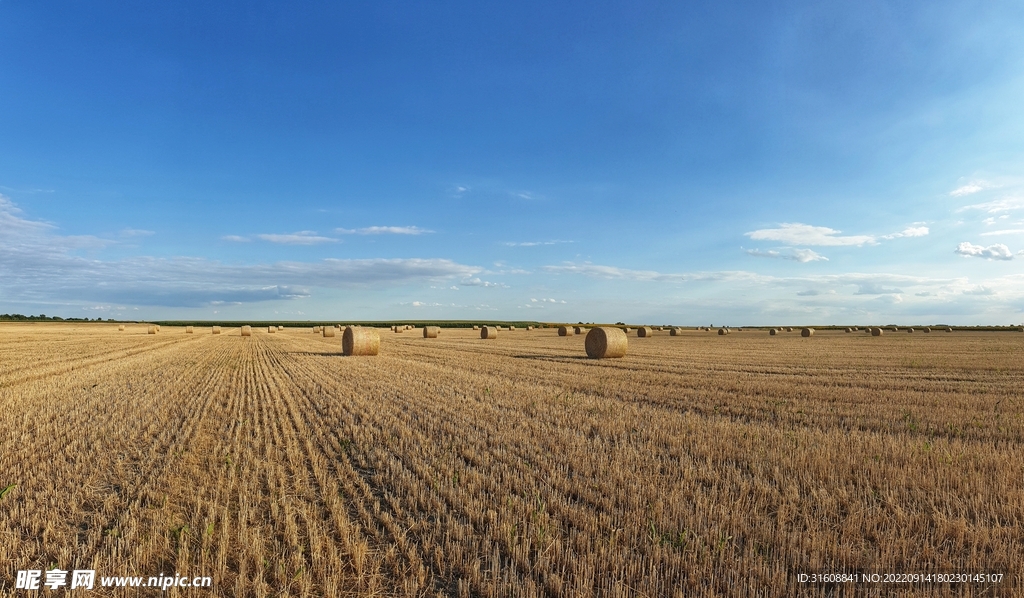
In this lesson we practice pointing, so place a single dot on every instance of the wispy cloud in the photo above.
(1009, 231)
(798, 255)
(796, 233)
(547, 300)
(304, 237)
(39, 265)
(992, 252)
(136, 232)
(911, 231)
(536, 243)
(869, 288)
(996, 206)
(970, 188)
(384, 230)
(236, 238)
(476, 282)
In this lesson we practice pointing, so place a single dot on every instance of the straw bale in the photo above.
(606, 342)
(360, 341)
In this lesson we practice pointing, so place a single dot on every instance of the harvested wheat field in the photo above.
(455, 466)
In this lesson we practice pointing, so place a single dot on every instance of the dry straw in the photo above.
(152, 330)
(806, 332)
(949, 330)
(579, 330)
(328, 331)
(529, 328)
(360, 341)
(910, 331)
(476, 328)
(489, 332)
(271, 329)
(789, 330)
(280, 327)
(120, 328)
(431, 331)
(676, 332)
(772, 332)
(926, 329)
(566, 331)
(849, 330)
(216, 330)
(644, 332)
(876, 332)
(627, 330)
(604, 342)
(158, 327)
(511, 327)
(398, 329)
(188, 330)
(722, 332)
(246, 330)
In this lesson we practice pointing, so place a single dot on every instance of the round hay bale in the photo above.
(476, 328)
(676, 332)
(578, 330)
(910, 331)
(848, 330)
(627, 330)
(271, 329)
(529, 328)
(360, 341)
(855, 329)
(772, 332)
(722, 332)
(606, 342)
(489, 332)
(806, 332)
(152, 330)
(316, 329)
(789, 330)
(895, 328)
(158, 327)
(926, 330)
(328, 331)
(280, 327)
(644, 332)
(120, 328)
(566, 331)
(216, 330)
(246, 330)
(431, 331)
(188, 330)
(949, 330)
(876, 332)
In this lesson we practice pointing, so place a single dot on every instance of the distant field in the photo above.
(696, 465)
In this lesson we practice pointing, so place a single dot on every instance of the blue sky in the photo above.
(646, 162)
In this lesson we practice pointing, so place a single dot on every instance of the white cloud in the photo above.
(804, 234)
(38, 265)
(304, 237)
(476, 282)
(996, 206)
(236, 238)
(798, 255)
(970, 188)
(536, 243)
(911, 231)
(384, 230)
(136, 232)
(992, 252)
(1009, 231)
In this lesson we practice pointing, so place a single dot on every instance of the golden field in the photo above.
(696, 465)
